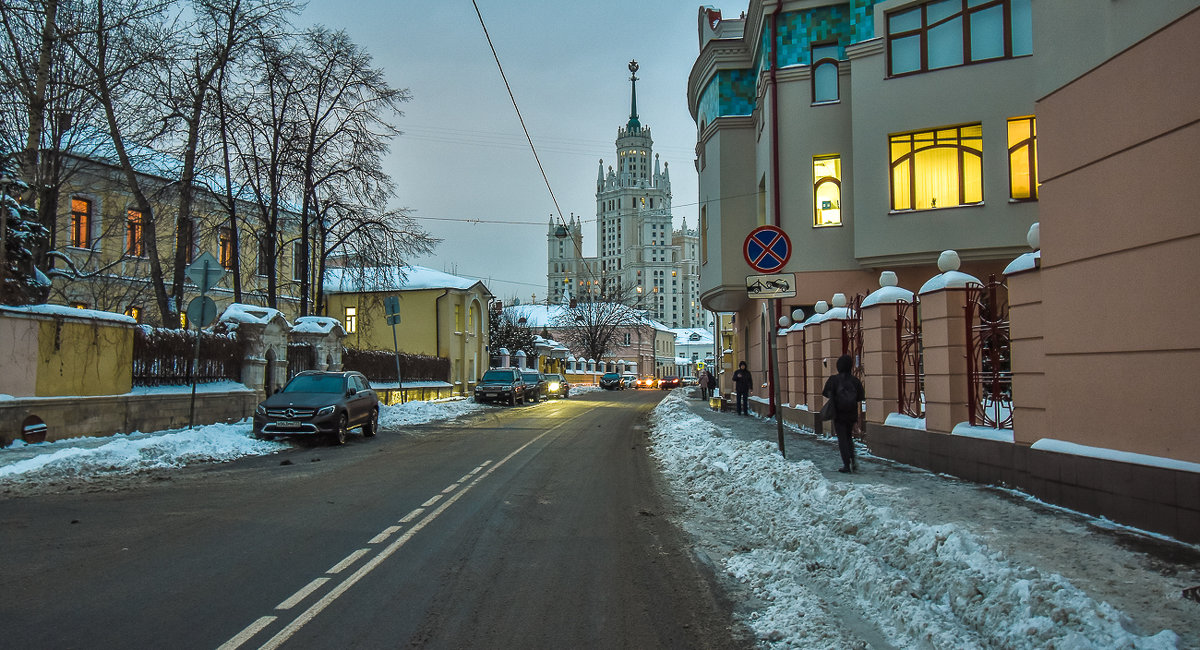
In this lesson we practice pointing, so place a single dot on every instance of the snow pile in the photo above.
(820, 549)
(131, 453)
(410, 413)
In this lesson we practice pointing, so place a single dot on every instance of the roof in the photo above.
(550, 316)
(394, 278)
(683, 336)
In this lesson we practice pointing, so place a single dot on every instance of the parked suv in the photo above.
(535, 385)
(612, 381)
(319, 404)
(501, 385)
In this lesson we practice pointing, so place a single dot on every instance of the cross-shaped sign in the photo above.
(205, 271)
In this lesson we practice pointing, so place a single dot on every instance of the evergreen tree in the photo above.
(20, 282)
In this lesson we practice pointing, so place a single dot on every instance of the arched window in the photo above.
(825, 73)
(827, 191)
(934, 169)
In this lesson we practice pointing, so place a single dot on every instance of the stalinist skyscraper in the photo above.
(637, 247)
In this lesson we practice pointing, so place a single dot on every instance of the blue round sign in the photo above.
(767, 249)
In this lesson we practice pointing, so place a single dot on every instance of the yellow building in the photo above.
(441, 315)
(106, 238)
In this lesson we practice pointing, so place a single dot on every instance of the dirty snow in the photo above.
(833, 566)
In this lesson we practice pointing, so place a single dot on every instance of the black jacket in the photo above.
(741, 380)
(844, 364)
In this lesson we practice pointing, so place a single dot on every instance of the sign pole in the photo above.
(775, 390)
(195, 369)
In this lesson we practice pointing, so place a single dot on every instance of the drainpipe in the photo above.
(775, 196)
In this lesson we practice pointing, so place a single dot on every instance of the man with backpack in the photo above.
(846, 392)
(741, 386)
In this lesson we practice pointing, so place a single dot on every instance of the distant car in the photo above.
(557, 386)
(629, 381)
(501, 385)
(668, 383)
(535, 385)
(646, 382)
(612, 381)
(319, 404)
(691, 381)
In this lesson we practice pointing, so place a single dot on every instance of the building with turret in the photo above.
(639, 253)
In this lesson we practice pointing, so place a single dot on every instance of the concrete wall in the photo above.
(72, 417)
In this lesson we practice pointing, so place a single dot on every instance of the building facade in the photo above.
(639, 252)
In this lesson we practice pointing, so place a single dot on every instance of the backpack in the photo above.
(845, 396)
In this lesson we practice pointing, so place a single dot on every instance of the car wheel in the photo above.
(339, 434)
(371, 426)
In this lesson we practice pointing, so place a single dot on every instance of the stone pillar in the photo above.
(1026, 334)
(814, 354)
(505, 358)
(944, 341)
(519, 359)
(879, 347)
(797, 389)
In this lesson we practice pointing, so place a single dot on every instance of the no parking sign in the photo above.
(767, 249)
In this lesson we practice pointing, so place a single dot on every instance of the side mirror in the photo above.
(350, 392)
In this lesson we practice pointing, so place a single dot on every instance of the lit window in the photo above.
(135, 312)
(1022, 158)
(225, 247)
(825, 73)
(827, 191)
(79, 305)
(81, 223)
(948, 33)
(135, 234)
(351, 321)
(182, 320)
(937, 169)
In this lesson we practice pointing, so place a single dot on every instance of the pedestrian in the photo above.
(741, 384)
(846, 392)
(712, 385)
(702, 383)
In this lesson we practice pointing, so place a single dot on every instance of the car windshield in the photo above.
(612, 375)
(315, 384)
(499, 376)
(554, 377)
(529, 376)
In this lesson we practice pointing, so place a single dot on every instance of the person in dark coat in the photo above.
(741, 385)
(844, 419)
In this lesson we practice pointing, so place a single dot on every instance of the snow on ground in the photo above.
(121, 454)
(832, 567)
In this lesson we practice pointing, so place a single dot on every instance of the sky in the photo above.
(463, 165)
(879, 557)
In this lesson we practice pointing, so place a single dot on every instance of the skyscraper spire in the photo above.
(633, 125)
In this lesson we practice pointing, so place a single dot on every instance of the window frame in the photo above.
(81, 227)
(818, 182)
(225, 247)
(817, 64)
(135, 233)
(965, 12)
(1030, 145)
(910, 159)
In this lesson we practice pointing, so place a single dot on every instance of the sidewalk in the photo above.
(887, 512)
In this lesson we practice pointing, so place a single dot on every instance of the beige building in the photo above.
(441, 315)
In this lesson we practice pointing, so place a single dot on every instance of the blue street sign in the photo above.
(767, 249)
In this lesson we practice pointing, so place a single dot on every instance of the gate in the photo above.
(300, 357)
(989, 368)
(910, 369)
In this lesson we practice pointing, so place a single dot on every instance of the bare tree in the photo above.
(589, 327)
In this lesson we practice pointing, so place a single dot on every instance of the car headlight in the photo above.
(328, 410)
(554, 386)
(260, 410)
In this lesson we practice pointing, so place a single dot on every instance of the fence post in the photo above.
(944, 333)
(879, 347)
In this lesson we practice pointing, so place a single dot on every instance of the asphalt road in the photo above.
(527, 527)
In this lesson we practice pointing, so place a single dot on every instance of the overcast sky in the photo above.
(463, 155)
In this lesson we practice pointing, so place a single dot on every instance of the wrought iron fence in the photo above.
(300, 357)
(989, 368)
(164, 357)
(380, 366)
(910, 368)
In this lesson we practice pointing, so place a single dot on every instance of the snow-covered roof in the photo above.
(888, 296)
(239, 313)
(948, 280)
(62, 311)
(318, 325)
(683, 336)
(1026, 262)
(394, 278)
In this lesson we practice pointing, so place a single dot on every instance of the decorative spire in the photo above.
(633, 125)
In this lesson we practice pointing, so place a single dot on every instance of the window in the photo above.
(351, 320)
(135, 312)
(825, 73)
(79, 305)
(948, 33)
(225, 247)
(135, 234)
(1022, 159)
(264, 256)
(937, 169)
(626, 339)
(297, 262)
(704, 234)
(81, 223)
(458, 318)
(827, 191)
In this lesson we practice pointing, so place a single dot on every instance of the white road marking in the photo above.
(302, 594)
(412, 515)
(350, 559)
(382, 537)
(450, 488)
(248, 633)
(319, 606)
(431, 501)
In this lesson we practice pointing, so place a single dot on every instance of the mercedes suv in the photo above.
(317, 404)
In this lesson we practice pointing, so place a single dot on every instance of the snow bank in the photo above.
(819, 547)
(131, 453)
(410, 413)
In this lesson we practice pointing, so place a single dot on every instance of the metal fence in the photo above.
(164, 357)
